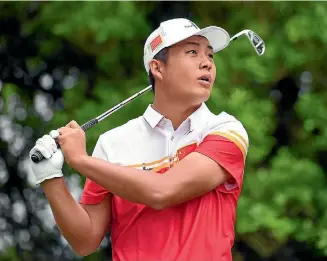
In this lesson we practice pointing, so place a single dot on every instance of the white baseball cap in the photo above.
(175, 30)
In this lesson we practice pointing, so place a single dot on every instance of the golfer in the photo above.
(165, 184)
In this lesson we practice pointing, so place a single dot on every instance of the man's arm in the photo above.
(194, 176)
(83, 226)
(217, 159)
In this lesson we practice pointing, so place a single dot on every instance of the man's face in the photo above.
(190, 71)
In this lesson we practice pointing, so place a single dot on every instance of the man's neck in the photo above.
(176, 113)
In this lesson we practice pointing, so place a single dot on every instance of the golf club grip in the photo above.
(89, 124)
(37, 156)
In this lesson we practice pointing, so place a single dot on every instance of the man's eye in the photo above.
(192, 51)
(211, 56)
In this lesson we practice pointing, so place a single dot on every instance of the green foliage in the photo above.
(287, 197)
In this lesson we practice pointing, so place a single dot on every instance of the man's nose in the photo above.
(205, 63)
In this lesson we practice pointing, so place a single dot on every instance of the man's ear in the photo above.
(155, 67)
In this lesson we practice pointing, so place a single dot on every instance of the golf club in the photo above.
(255, 40)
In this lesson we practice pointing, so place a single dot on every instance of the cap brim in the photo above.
(218, 37)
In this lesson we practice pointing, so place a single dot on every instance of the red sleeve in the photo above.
(228, 155)
(92, 192)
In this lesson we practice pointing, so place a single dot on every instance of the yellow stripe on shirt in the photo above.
(149, 164)
(233, 139)
(240, 137)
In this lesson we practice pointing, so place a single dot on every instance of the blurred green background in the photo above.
(62, 61)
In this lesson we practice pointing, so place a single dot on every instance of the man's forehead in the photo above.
(196, 39)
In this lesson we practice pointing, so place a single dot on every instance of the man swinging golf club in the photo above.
(166, 184)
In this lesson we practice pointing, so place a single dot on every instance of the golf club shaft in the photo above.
(123, 103)
(96, 120)
(37, 156)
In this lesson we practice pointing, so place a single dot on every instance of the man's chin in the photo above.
(204, 94)
(200, 97)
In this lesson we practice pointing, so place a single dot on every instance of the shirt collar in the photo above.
(152, 116)
(197, 118)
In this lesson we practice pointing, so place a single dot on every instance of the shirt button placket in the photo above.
(170, 155)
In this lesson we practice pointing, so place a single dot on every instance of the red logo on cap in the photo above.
(155, 42)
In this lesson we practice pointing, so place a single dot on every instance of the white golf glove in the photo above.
(51, 166)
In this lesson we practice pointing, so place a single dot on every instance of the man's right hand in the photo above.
(51, 166)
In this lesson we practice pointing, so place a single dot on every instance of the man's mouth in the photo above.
(205, 78)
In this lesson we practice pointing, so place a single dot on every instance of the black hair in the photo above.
(161, 56)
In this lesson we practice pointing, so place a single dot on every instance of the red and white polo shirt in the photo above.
(201, 229)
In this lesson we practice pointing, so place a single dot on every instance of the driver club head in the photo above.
(255, 40)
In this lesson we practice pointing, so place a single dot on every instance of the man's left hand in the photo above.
(72, 142)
